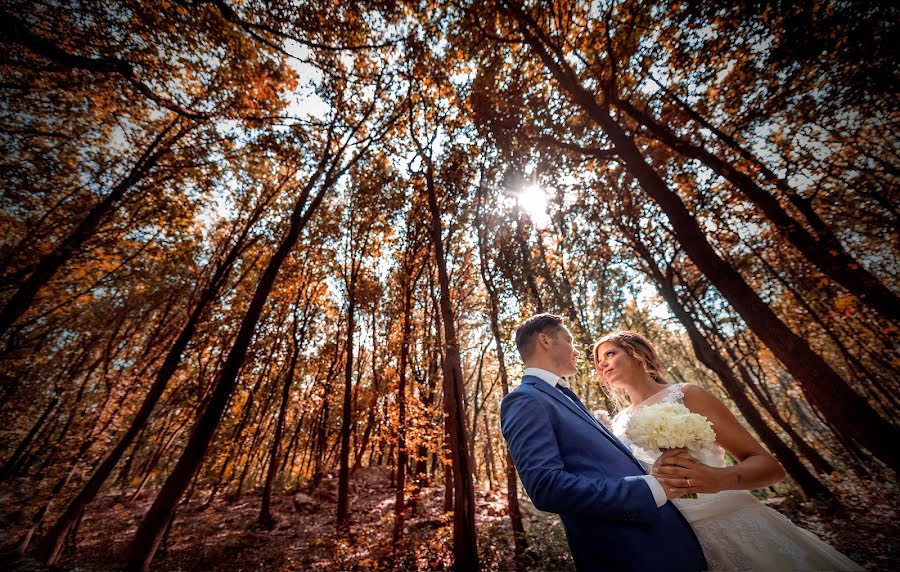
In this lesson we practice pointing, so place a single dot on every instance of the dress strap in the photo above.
(672, 394)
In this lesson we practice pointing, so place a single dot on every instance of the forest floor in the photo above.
(225, 537)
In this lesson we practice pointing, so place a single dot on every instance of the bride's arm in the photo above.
(756, 467)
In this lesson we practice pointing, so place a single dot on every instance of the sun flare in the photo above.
(533, 201)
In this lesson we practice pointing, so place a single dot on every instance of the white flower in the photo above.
(667, 426)
(603, 417)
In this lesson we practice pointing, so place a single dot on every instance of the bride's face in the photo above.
(616, 367)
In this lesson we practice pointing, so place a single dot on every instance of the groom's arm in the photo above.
(528, 429)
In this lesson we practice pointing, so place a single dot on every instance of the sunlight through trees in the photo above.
(269, 250)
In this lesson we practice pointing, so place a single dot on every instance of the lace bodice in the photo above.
(713, 456)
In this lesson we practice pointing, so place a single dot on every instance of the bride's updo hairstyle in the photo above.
(638, 347)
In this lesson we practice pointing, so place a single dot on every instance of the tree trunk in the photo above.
(265, 513)
(402, 454)
(46, 268)
(512, 485)
(465, 550)
(823, 248)
(321, 424)
(343, 500)
(149, 533)
(525, 253)
(38, 517)
(51, 545)
(10, 464)
(490, 468)
(376, 387)
(257, 451)
(125, 470)
(165, 442)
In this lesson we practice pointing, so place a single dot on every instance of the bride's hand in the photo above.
(677, 469)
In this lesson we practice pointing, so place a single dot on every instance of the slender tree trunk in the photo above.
(472, 429)
(236, 437)
(261, 429)
(420, 468)
(298, 335)
(490, 467)
(150, 531)
(289, 461)
(465, 549)
(526, 256)
(376, 388)
(512, 486)
(165, 442)
(343, 500)
(38, 517)
(402, 456)
(321, 433)
(51, 545)
(848, 413)
(448, 487)
(821, 247)
(52, 455)
(125, 471)
(714, 361)
(46, 268)
(10, 464)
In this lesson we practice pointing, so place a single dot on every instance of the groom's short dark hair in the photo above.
(530, 328)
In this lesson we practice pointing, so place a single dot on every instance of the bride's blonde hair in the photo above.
(638, 347)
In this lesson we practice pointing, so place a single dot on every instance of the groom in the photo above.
(616, 516)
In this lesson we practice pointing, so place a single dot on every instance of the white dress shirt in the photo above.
(659, 495)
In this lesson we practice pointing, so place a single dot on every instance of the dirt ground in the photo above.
(225, 537)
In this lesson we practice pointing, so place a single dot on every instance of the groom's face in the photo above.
(562, 352)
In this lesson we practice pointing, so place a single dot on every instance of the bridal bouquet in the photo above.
(669, 426)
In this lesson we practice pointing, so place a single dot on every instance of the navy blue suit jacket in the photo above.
(573, 466)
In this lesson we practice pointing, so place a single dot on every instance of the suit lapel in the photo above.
(577, 409)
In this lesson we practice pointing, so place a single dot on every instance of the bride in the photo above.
(736, 531)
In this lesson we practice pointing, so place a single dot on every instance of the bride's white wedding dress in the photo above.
(736, 531)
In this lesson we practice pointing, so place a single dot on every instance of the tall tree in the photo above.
(465, 548)
(411, 267)
(301, 317)
(512, 483)
(369, 206)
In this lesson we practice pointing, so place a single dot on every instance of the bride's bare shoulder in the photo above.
(691, 389)
(697, 398)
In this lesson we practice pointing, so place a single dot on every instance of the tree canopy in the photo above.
(259, 248)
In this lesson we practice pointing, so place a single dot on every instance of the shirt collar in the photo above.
(547, 376)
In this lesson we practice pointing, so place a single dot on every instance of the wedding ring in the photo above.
(689, 482)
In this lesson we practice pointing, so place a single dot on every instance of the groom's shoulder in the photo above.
(526, 391)
(527, 383)
(526, 386)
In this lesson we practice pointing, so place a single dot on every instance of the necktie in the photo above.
(571, 395)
